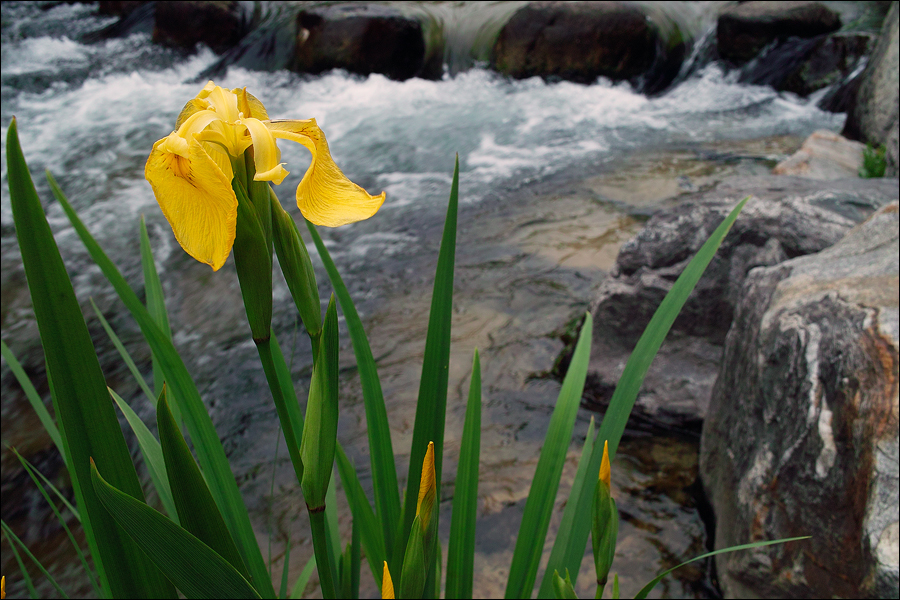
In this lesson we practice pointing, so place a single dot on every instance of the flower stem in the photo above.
(323, 550)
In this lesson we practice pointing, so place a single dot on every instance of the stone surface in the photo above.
(801, 436)
(744, 30)
(580, 41)
(185, 23)
(824, 155)
(363, 39)
(787, 217)
(873, 115)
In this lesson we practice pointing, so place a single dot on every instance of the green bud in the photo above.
(296, 266)
(320, 431)
(604, 530)
(253, 262)
(563, 587)
(413, 573)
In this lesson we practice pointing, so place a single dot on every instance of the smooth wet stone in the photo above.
(745, 29)
(824, 155)
(185, 23)
(801, 436)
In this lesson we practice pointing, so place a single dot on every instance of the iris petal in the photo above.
(265, 152)
(197, 200)
(325, 196)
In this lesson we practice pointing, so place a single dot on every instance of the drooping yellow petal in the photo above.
(325, 196)
(387, 586)
(197, 200)
(427, 488)
(265, 153)
(604, 465)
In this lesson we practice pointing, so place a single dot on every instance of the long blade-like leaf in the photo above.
(542, 496)
(565, 526)
(87, 422)
(363, 516)
(32, 593)
(126, 357)
(630, 382)
(381, 452)
(461, 552)
(431, 407)
(33, 398)
(206, 441)
(649, 587)
(12, 537)
(152, 454)
(195, 568)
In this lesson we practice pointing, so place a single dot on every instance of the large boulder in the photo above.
(580, 41)
(745, 29)
(801, 435)
(873, 115)
(823, 155)
(787, 217)
(185, 23)
(364, 38)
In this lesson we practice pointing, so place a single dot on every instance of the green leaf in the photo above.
(461, 552)
(33, 398)
(12, 537)
(87, 420)
(156, 306)
(303, 579)
(649, 587)
(197, 511)
(629, 384)
(195, 568)
(542, 496)
(53, 489)
(206, 441)
(126, 357)
(293, 258)
(431, 406)
(381, 452)
(363, 516)
(253, 263)
(152, 453)
(565, 526)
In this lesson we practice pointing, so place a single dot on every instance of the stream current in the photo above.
(554, 177)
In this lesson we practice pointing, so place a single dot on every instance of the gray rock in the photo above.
(801, 436)
(363, 38)
(744, 30)
(788, 217)
(823, 155)
(580, 41)
(873, 115)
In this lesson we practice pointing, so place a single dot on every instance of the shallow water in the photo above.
(553, 177)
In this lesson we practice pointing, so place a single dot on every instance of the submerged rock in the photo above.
(580, 41)
(801, 436)
(824, 155)
(873, 114)
(744, 30)
(363, 38)
(787, 217)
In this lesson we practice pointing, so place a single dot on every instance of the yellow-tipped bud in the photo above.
(387, 586)
(2, 587)
(604, 465)
(427, 488)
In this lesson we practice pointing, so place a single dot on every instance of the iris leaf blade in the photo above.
(14, 539)
(622, 401)
(542, 495)
(369, 528)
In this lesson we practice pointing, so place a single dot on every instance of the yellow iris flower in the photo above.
(190, 171)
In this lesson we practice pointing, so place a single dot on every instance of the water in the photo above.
(541, 218)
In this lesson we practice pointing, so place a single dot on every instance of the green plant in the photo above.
(874, 162)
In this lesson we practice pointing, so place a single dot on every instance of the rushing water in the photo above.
(533, 244)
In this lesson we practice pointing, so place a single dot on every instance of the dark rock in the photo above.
(787, 217)
(873, 115)
(801, 436)
(744, 30)
(119, 8)
(185, 23)
(363, 39)
(580, 41)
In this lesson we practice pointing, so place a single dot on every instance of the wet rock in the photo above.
(580, 41)
(788, 217)
(873, 114)
(744, 30)
(363, 39)
(801, 437)
(185, 23)
(119, 8)
(803, 66)
(824, 155)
